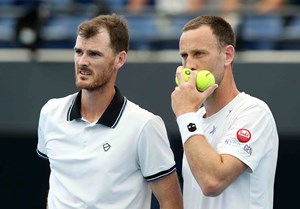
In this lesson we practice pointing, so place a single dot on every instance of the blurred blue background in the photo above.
(36, 64)
(48, 24)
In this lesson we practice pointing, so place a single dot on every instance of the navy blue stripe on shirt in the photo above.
(41, 155)
(160, 174)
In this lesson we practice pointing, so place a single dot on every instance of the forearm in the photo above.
(213, 171)
(205, 163)
(167, 191)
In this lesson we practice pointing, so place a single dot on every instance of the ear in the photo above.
(229, 53)
(120, 59)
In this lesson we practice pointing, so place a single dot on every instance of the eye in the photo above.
(94, 54)
(184, 56)
(78, 51)
(198, 54)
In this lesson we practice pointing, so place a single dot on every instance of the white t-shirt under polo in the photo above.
(246, 129)
(104, 165)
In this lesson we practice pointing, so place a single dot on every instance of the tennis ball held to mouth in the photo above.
(186, 72)
(204, 79)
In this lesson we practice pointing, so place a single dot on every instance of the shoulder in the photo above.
(136, 111)
(249, 102)
(254, 110)
(54, 103)
(140, 116)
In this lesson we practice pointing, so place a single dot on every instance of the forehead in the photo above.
(101, 40)
(198, 38)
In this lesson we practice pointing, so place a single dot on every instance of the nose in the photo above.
(82, 60)
(190, 63)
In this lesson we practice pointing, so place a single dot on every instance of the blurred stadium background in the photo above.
(36, 64)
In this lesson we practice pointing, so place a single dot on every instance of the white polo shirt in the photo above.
(245, 128)
(103, 165)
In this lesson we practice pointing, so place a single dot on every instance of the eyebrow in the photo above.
(76, 49)
(198, 50)
(193, 51)
(89, 50)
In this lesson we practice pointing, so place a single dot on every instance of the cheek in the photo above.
(218, 78)
(218, 70)
(103, 71)
(219, 62)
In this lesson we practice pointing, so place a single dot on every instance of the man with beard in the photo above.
(105, 151)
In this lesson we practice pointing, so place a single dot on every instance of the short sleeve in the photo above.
(251, 136)
(41, 146)
(156, 158)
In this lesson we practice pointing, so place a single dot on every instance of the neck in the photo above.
(94, 103)
(223, 95)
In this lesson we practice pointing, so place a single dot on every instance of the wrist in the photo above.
(189, 125)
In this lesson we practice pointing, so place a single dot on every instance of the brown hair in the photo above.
(116, 27)
(220, 28)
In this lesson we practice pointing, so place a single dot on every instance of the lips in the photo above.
(84, 72)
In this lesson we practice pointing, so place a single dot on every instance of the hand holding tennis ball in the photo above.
(204, 79)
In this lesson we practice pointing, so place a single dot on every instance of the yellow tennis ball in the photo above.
(186, 75)
(204, 80)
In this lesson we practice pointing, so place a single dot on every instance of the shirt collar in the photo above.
(111, 115)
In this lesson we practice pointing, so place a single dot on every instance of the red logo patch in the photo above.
(243, 135)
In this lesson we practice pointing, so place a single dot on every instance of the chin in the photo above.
(88, 87)
(83, 85)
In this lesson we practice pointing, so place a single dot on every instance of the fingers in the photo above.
(209, 91)
(179, 75)
(192, 79)
(184, 77)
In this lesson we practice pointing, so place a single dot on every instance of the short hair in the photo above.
(220, 28)
(115, 25)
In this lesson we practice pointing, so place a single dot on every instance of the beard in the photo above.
(92, 81)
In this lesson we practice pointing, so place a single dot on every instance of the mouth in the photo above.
(85, 72)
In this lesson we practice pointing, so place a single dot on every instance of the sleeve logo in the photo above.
(192, 127)
(243, 135)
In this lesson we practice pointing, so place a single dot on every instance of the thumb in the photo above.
(210, 90)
